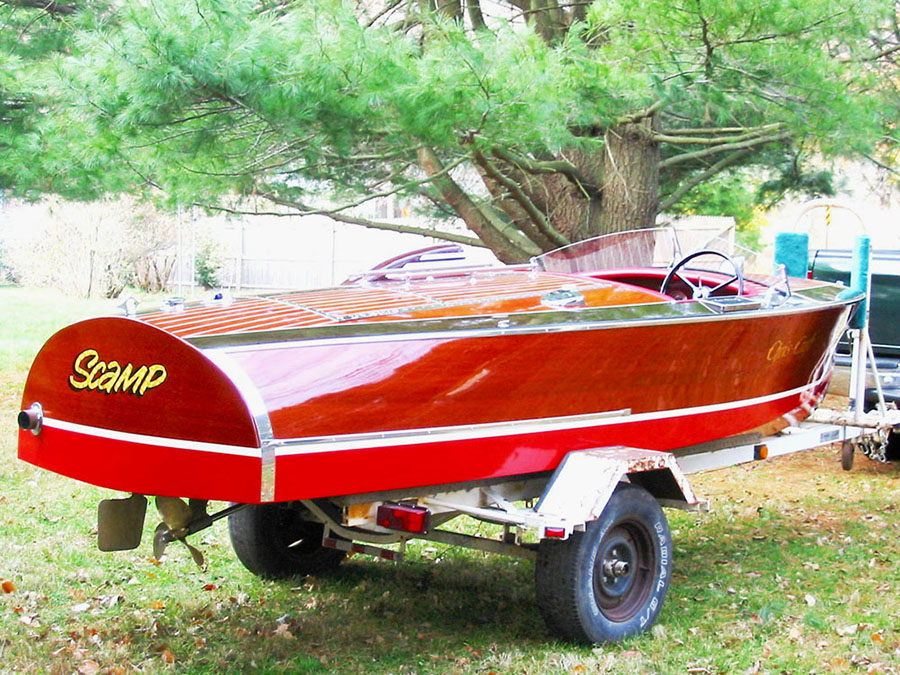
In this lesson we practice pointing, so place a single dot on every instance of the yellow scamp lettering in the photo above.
(92, 373)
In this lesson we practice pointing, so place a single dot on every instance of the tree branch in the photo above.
(473, 8)
(696, 139)
(880, 55)
(714, 130)
(882, 165)
(539, 219)
(52, 7)
(302, 210)
(686, 187)
(507, 245)
(570, 171)
(726, 147)
(640, 115)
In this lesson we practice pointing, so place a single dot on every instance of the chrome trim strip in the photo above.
(494, 326)
(160, 441)
(288, 447)
(267, 475)
(257, 408)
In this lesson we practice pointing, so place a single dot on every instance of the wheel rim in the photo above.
(623, 571)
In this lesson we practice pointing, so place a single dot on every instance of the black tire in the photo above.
(265, 538)
(631, 541)
(847, 450)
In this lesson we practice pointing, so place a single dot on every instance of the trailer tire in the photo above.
(608, 582)
(848, 448)
(262, 536)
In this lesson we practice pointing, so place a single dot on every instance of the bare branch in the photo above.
(882, 54)
(726, 147)
(509, 245)
(687, 186)
(387, 193)
(52, 7)
(473, 8)
(713, 140)
(301, 210)
(539, 219)
(882, 165)
(640, 115)
(715, 130)
(570, 171)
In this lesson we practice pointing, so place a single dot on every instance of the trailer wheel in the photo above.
(608, 582)
(847, 450)
(273, 541)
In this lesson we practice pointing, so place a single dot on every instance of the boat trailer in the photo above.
(594, 527)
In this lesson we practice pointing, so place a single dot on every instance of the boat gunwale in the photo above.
(495, 325)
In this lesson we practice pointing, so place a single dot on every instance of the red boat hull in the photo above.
(329, 415)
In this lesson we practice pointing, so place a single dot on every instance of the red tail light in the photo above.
(406, 517)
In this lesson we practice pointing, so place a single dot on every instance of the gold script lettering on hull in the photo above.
(111, 377)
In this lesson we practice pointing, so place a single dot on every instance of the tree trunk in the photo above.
(630, 178)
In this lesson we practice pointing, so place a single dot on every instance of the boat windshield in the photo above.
(650, 247)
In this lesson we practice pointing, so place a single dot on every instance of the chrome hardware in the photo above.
(129, 305)
(31, 419)
(173, 305)
(563, 298)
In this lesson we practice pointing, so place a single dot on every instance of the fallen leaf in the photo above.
(282, 631)
(157, 604)
(81, 607)
(89, 667)
(810, 600)
(29, 619)
(766, 651)
(795, 633)
(579, 668)
(8, 587)
(167, 656)
(848, 630)
(878, 638)
(210, 587)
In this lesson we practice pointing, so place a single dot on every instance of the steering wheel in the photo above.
(700, 291)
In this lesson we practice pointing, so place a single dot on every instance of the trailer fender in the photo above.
(585, 480)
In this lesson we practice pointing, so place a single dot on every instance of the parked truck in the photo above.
(884, 316)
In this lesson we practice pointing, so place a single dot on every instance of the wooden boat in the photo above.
(407, 379)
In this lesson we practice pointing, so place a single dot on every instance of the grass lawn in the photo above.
(795, 570)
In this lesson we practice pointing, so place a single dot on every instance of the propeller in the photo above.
(178, 519)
